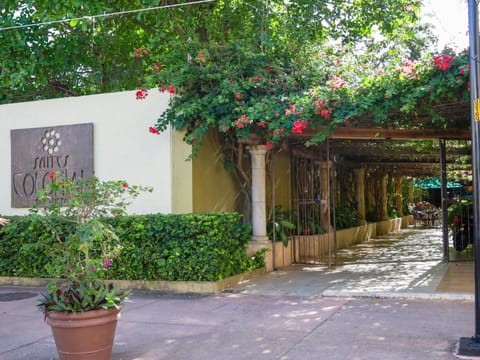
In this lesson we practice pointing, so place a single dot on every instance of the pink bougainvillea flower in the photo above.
(156, 67)
(239, 124)
(171, 89)
(337, 82)
(107, 263)
(152, 130)
(462, 71)
(256, 79)
(408, 69)
(140, 52)
(141, 94)
(224, 128)
(443, 62)
(290, 110)
(202, 57)
(299, 126)
(242, 121)
(346, 121)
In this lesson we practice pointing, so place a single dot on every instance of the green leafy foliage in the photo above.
(45, 57)
(200, 247)
(462, 209)
(78, 297)
(283, 226)
(83, 252)
(346, 217)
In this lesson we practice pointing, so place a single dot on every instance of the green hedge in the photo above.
(198, 247)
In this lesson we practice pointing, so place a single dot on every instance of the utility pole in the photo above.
(471, 346)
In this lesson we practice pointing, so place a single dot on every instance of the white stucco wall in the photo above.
(123, 147)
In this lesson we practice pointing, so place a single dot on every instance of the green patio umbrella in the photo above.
(436, 183)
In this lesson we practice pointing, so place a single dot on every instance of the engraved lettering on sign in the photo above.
(36, 152)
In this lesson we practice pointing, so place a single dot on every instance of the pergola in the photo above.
(367, 144)
(386, 146)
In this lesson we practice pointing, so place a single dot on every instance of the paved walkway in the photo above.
(405, 264)
(284, 315)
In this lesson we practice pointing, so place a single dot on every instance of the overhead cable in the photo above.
(116, 13)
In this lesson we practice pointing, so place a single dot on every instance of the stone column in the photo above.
(383, 206)
(399, 195)
(360, 192)
(410, 191)
(259, 214)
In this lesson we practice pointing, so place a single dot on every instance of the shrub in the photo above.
(195, 247)
(346, 217)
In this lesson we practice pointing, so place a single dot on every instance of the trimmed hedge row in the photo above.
(196, 247)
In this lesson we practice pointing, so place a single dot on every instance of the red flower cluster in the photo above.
(170, 89)
(443, 62)
(299, 126)
(52, 174)
(262, 124)
(141, 94)
(238, 96)
(256, 78)
(322, 109)
(463, 70)
(156, 67)
(202, 57)
(268, 145)
(240, 123)
(152, 130)
(225, 128)
(140, 52)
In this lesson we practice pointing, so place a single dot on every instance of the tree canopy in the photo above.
(267, 68)
(53, 49)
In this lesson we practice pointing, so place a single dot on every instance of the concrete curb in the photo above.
(400, 295)
(197, 287)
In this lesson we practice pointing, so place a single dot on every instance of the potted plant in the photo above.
(81, 307)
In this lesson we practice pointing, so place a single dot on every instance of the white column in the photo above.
(259, 219)
(259, 214)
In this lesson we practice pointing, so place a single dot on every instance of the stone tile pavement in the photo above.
(383, 305)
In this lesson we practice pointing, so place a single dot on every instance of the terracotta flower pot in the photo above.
(84, 336)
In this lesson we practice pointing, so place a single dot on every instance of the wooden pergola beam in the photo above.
(357, 133)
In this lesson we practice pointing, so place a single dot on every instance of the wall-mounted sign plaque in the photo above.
(38, 151)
